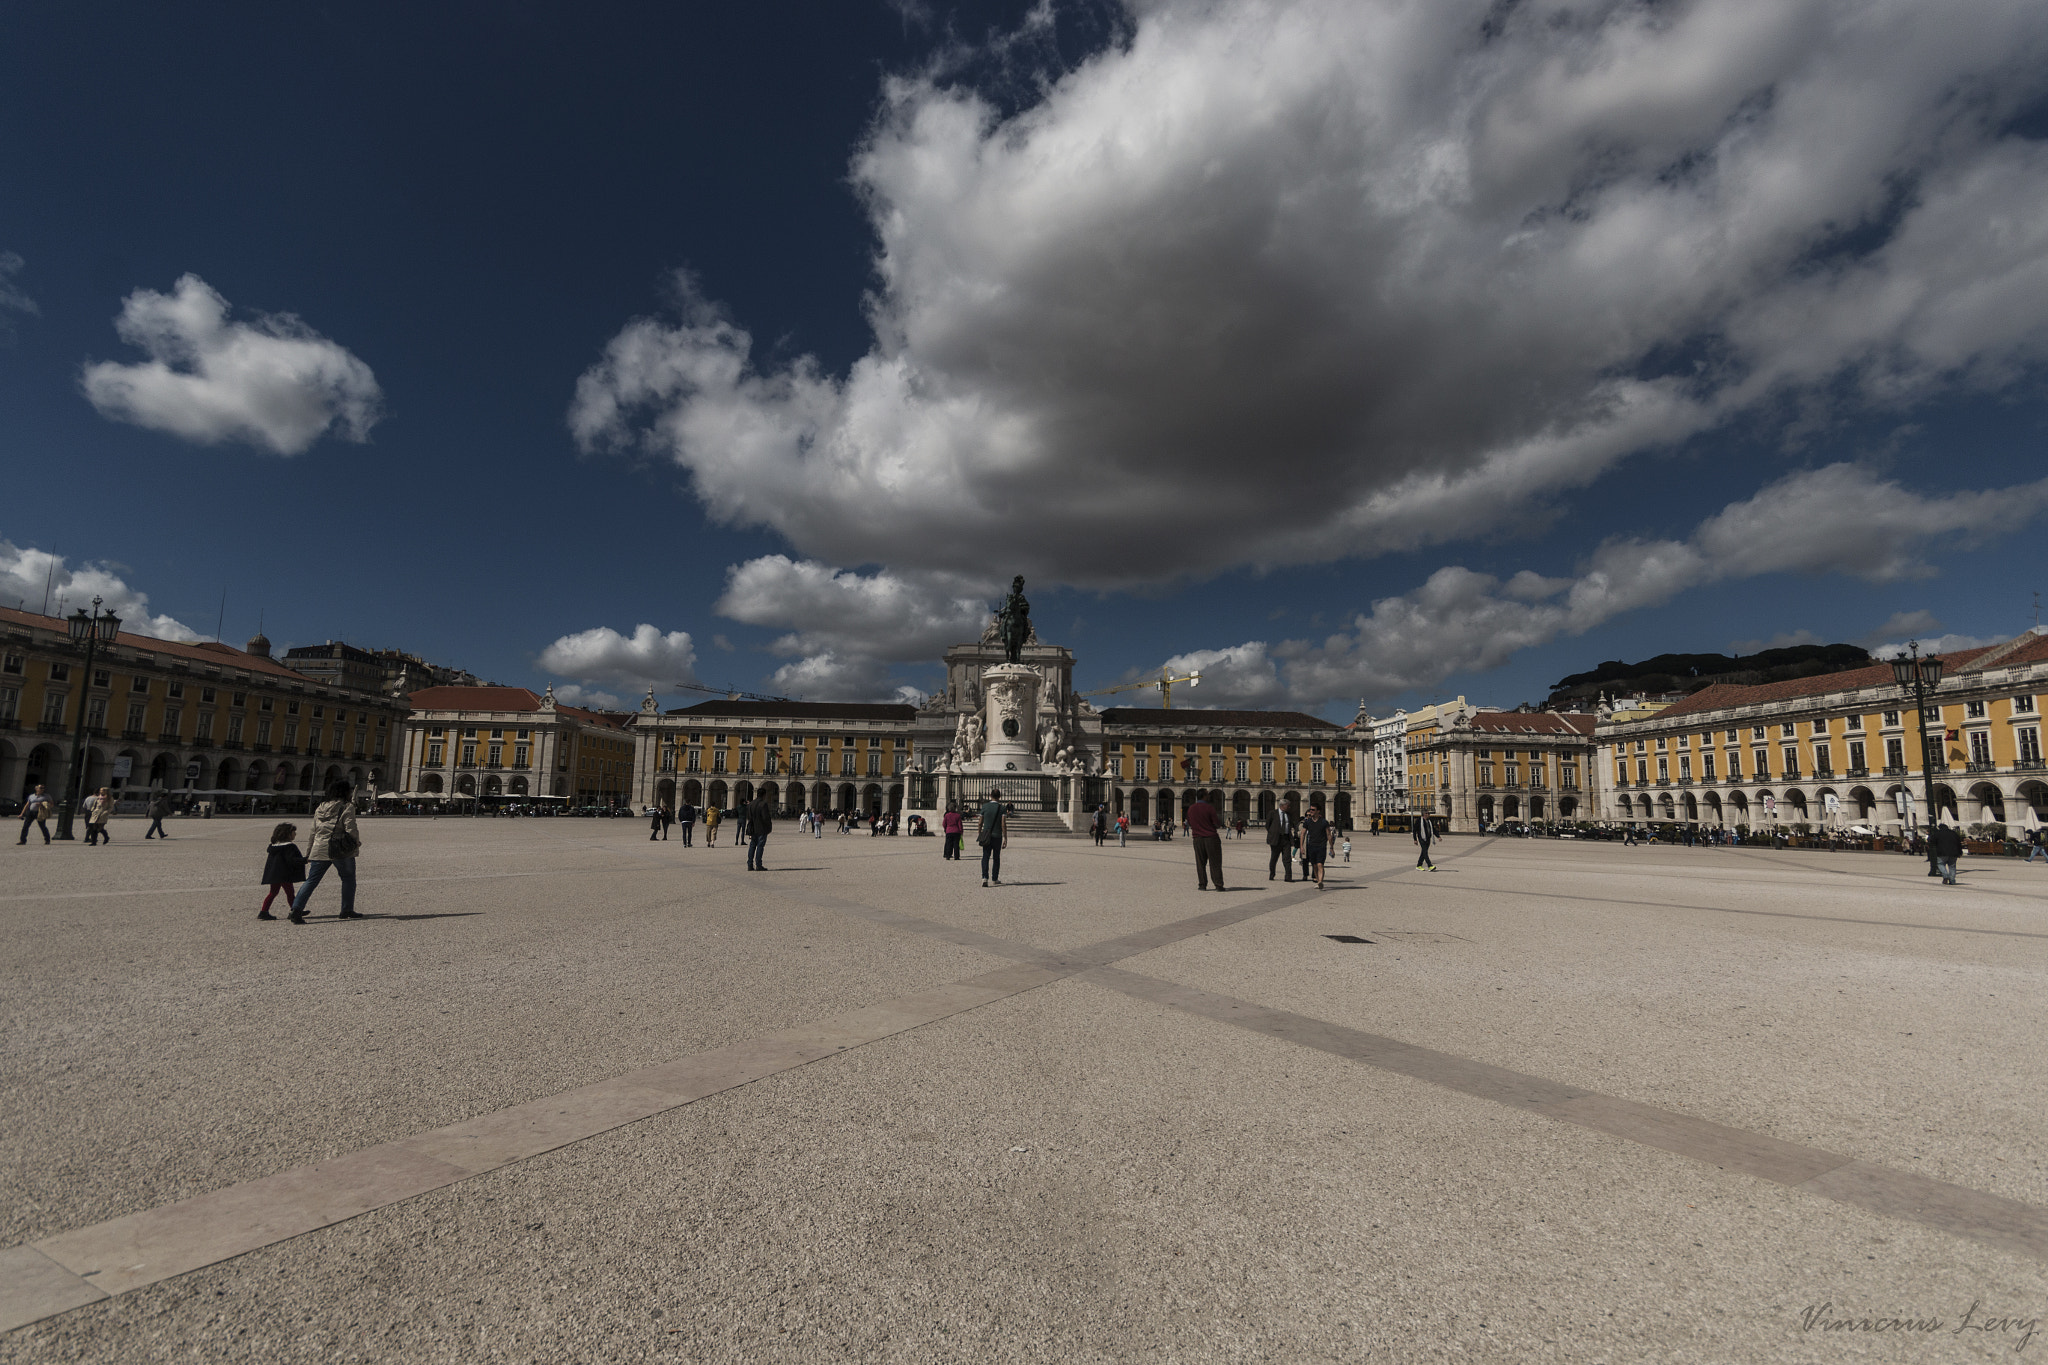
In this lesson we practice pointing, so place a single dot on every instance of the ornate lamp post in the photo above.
(1921, 676)
(90, 630)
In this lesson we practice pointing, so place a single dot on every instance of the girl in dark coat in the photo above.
(284, 869)
(1315, 844)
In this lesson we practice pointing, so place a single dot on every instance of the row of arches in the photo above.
(1981, 803)
(47, 765)
(1144, 805)
(790, 799)
(1536, 808)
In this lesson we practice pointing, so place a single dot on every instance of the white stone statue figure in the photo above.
(1049, 750)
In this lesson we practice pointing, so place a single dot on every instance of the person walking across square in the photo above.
(159, 807)
(1279, 842)
(760, 824)
(993, 835)
(36, 811)
(1315, 845)
(283, 869)
(712, 815)
(1947, 844)
(1207, 838)
(1424, 833)
(98, 808)
(336, 841)
(686, 816)
(955, 825)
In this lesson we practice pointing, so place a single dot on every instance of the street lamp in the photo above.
(1922, 676)
(89, 630)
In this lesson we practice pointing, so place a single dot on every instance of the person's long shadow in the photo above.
(792, 869)
(379, 914)
(1034, 883)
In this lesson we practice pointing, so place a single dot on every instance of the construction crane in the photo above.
(731, 693)
(1164, 682)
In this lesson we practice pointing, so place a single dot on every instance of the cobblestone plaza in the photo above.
(569, 1095)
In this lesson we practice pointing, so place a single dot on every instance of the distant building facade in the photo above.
(232, 725)
(1777, 752)
(390, 671)
(1479, 768)
(506, 742)
(1157, 761)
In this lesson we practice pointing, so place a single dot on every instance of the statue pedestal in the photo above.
(1010, 711)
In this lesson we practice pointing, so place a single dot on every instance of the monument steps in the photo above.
(1041, 824)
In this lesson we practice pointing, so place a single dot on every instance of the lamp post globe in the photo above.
(90, 630)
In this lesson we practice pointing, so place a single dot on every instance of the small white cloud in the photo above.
(25, 572)
(12, 300)
(1902, 625)
(722, 643)
(1936, 644)
(574, 694)
(271, 382)
(646, 658)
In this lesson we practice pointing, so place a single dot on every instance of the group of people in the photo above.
(660, 819)
(98, 809)
(335, 843)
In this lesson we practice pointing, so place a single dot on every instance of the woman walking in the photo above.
(336, 841)
(98, 807)
(284, 869)
(954, 825)
(1315, 845)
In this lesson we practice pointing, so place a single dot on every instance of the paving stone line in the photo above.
(2008, 1224)
(71, 1269)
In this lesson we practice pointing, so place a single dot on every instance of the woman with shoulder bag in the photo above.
(336, 841)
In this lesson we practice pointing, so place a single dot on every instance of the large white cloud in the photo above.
(843, 629)
(1841, 518)
(29, 578)
(646, 658)
(271, 382)
(1277, 282)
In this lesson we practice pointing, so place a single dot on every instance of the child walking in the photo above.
(284, 869)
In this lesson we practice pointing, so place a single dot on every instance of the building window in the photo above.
(234, 730)
(1706, 768)
(693, 761)
(746, 760)
(1823, 761)
(469, 733)
(1895, 753)
(1856, 756)
(1642, 771)
(1663, 772)
(495, 734)
(1853, 723)
(10, 703)
(1660, 744)
(874, 764)
(1215, 770)
(718, 760)
(1293, 770)
(1791, 762)
(901, 759)
(469, 755)
(433, 755)
(102, 678)
(13, 663)
(1891, 718)
(1761, 768)
(1788, 729)
(496, 755)
(1568, 777)
(205, 730)
(137, 711)
(96, 713)
(53, 708)
(1756, 732)
(846, 763)
(2030, 745)
(1141, 771)
(2020, 705)
(1486, 774)
(1315, 771)
(1980, 747)
(1734, 766)
(1116, 767)
(1685, 768)
(1973, 710)
(60, 672)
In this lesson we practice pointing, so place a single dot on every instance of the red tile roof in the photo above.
(492, 697)
(204, 652)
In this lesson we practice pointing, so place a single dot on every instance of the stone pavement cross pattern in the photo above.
(1277, 1144)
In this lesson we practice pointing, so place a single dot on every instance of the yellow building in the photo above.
(1474, 769)
(506, 742)
(825, 756)
(1157, 761)
(1777, 752)
(232, 726)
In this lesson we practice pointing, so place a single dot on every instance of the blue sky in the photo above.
(1337, 349)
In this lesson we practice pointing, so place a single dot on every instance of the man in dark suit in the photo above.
(1279, 840)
